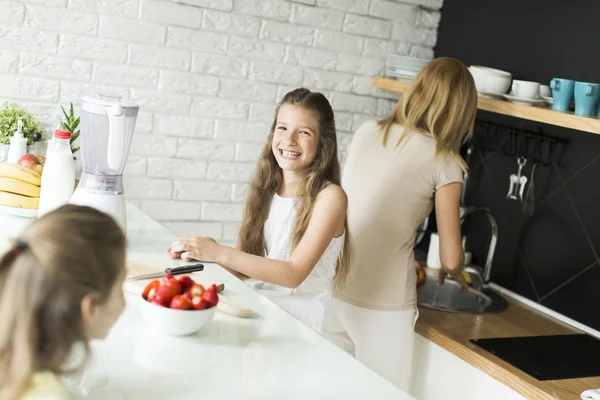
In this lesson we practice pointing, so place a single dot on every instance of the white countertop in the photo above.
(271, 356)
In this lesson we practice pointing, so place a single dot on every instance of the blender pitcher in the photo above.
(107, 125)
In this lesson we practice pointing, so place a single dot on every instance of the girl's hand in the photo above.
(457, 276)
(199, 248)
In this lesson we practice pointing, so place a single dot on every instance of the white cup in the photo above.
(526, 89)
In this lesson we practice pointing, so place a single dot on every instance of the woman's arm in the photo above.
(326, 222)
(447, 213)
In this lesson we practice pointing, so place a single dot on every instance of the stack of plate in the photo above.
(403, 67)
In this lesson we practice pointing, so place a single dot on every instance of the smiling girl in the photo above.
(293, 235)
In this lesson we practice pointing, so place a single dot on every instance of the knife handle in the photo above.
(184, 270)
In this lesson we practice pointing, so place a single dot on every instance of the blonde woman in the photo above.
(397, 168)
(60, 285)
(293, 235)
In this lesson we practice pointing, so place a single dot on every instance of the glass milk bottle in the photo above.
(58, 175)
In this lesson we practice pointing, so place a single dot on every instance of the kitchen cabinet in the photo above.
(439, 374)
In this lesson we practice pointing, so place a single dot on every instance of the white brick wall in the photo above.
(207, 75)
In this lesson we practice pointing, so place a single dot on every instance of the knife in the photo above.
(173, 271)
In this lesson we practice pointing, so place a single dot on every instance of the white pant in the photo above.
(383, 340)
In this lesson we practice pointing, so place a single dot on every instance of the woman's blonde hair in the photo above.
(57, 261)
(268, 179)
(441, 101)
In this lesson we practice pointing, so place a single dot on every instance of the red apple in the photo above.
(33, 161)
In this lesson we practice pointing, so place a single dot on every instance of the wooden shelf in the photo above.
(539, 114)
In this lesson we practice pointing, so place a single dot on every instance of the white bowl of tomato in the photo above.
(178, 306)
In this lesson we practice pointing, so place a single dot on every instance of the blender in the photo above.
(107, 125)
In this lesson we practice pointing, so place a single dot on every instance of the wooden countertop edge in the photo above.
(489, 367)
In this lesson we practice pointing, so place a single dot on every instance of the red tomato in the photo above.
(210, 296)
(199, 303)
(186, 282)
(180, 302)
(170, 281)
(150, 290)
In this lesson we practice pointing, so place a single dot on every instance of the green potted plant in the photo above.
(10, 114)
(71, 124)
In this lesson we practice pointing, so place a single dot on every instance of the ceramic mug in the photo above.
(526, 89)
(586, 97)
(598, 109)
(562, 93)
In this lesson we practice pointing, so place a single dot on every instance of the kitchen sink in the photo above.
(446, 297)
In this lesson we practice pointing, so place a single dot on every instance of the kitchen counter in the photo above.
(452, 332)
(269, 356)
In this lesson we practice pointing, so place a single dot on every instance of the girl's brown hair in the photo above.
(268, 179)
(57, 261)
(441, 101)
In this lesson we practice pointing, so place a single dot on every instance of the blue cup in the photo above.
(598, 109)
(562, 93)
(586, 97)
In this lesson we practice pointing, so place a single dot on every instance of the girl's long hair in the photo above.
(268, 179)
(441, 102)
(57, 261)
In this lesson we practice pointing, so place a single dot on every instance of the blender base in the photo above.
(111, 204)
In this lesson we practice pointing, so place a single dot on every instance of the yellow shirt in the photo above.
(390, 192)
(45, 386)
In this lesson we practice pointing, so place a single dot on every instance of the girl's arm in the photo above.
(326, 222)
(447, 210)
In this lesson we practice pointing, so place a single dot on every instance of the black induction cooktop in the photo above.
(548, 357)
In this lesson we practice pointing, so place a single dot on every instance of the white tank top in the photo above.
(307, 302)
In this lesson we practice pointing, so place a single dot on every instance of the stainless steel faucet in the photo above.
(467, 211)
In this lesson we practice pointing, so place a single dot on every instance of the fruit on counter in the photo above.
(33, 161)
(199, 303)
(172, 283)
(186, 282)
(163, 296)
(210, 296)
(20, 173)
(180, 294)
(421, 276)
(197, 290)
(180, 302)
(17, 201)
(19, 187)
(150, 290)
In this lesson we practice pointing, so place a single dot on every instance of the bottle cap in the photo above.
(62, 134)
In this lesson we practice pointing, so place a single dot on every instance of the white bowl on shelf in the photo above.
(175, 322)
(490, 80)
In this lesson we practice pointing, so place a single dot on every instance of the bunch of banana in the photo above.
(19, 186)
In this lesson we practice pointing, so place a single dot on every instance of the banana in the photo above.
(20, 173)
(19, 187)
(18, 201)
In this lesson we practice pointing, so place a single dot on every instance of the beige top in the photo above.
(390, 192)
